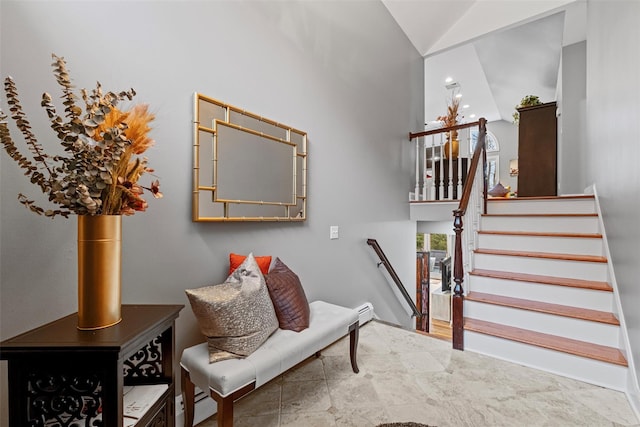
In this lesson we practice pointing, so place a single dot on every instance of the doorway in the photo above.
(433, 283)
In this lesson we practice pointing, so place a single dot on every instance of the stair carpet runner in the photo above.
(539, 295)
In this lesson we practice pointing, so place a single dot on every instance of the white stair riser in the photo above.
(553, 294)
(560, 245)
(580, 368)
(541, 206)
(579, 224)
(577, 329)
(548, 267)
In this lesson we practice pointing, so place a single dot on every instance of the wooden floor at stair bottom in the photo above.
(552, 342)
(438, 329)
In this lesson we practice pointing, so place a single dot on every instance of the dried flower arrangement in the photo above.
(451, 118)
(99, 171)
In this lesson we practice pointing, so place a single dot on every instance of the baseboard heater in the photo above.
(365, 312)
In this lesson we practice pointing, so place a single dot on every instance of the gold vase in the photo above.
(453, 150)
(99, 271)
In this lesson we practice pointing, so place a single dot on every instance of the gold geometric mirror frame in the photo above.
(246, 167)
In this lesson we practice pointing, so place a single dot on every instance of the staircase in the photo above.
(538, 294)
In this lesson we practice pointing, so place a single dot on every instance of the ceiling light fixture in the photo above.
(452, 86)
(472, 116)
(458, 95)
(448, 80)
(465, 106)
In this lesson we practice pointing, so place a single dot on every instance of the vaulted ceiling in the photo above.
(497, 51)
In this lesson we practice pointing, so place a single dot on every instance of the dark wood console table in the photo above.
(122, 375)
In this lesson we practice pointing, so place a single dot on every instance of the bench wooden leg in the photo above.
(188, 397)
(354, 333)
(225, 404)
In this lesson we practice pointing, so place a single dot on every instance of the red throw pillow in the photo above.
(288, 297)
(235, 260)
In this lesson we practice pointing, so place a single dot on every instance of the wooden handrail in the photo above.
(385, 261)
(479, 150)
(458, 214)
(442, 130)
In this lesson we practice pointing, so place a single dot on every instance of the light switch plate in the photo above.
(334, 232)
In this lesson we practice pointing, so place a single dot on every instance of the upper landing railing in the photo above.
(441, 168)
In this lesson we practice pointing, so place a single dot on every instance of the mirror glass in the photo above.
(246, 167)
(493, 170)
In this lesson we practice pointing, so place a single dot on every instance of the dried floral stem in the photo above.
(98, 174)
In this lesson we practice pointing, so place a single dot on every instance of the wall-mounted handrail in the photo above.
(458, 214)
(413, 135)
(385, 261)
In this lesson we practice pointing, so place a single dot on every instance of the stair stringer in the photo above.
(632, 387)
(576, 367)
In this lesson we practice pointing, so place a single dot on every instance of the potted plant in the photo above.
(527, 101)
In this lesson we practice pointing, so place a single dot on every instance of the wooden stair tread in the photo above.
(562, 197)
(551, 342)
(546, 255)
(542, 215)
(542, 234)
(545, 307)
(547, 280)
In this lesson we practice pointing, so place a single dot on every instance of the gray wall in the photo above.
(572, 121)
(612, 150)
(342, 71)
(507, 135)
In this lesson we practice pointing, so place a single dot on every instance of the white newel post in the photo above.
(425, 180)
(416, 191)
(459, 183)
(432, 187)
(450, 167)
(441, 177)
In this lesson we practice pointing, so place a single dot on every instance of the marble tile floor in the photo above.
(406, 376)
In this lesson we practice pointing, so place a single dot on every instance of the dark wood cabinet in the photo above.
(113, 377)
(537, 151)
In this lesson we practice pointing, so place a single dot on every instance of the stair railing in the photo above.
(438, 176)
(392, 272)
(474, 194)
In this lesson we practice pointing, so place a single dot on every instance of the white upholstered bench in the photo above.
(231, 379)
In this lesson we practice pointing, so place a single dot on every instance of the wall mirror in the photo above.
(246, 167)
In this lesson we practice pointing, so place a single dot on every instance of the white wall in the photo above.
(612, 151)
(507, 135)
(572, 121)
(342, 71)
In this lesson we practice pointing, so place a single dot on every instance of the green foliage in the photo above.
(419, 242)
(439, 242)
(527, 101)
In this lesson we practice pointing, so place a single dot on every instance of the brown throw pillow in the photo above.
(236, 316)
(288, 297)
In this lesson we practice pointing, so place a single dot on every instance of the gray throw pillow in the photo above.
(236, 316)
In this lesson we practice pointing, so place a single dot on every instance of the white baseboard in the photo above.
(205, 408)
(633, 395)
